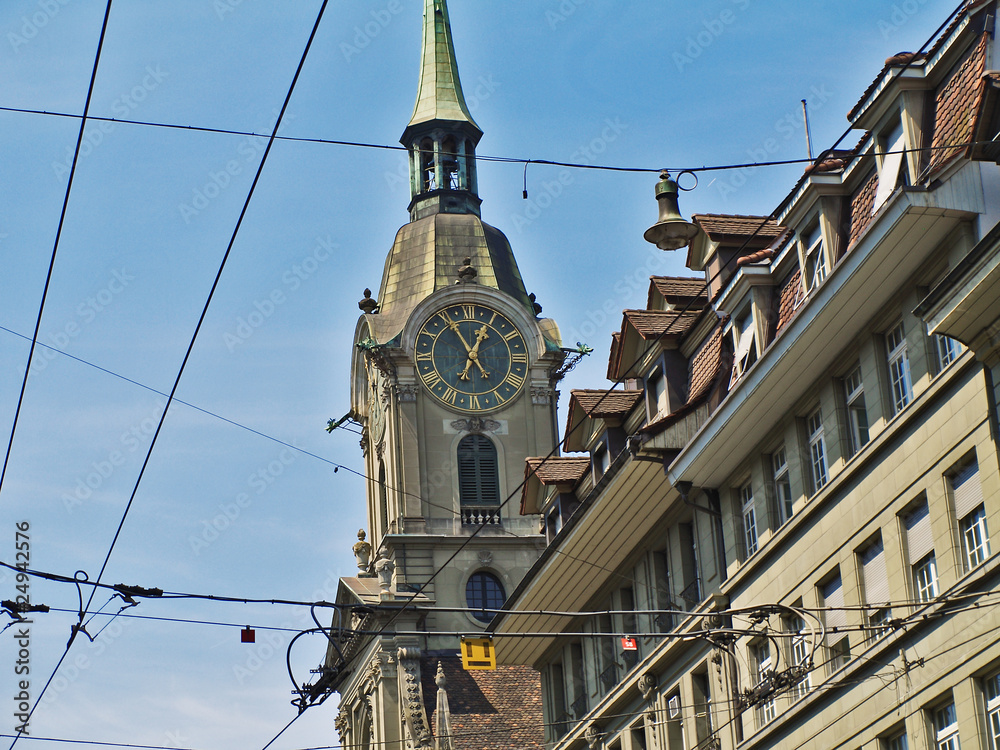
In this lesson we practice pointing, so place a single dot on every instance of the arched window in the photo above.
(478, 476)
(484, 591)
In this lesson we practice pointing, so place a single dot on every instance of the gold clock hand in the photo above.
(454, 326)
(481, 335)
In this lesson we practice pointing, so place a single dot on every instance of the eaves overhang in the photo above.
(739, 286)
(593, 545)
(903, 235)
(965, 304)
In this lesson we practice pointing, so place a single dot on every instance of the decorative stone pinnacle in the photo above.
(439, 679)
(534, 305)
(467, 273)
(368, 305)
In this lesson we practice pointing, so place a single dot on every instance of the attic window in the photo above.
(601, 460)
(656, 392)
(815, 257)
(892, 145)
(745, 345)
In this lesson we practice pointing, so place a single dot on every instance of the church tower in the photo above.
(453, 378)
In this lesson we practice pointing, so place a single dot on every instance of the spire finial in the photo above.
(439, 94)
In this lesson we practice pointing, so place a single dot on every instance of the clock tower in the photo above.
(453, 379)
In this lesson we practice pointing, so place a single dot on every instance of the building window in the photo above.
(749, 515)
(761, 654)
(656, 392)
(857, 415)
(484, 592)
(601, 460)
(967, 494)
(782, 484)
(876, 583)
(891, 145)
(925, 579)
(899, 368)
(817, 450)
(836, 621)
(947, 350)
(800, 647)
(745, 345)
(897, 742)
(992, 694)
(815, 256)
(478, 474)
(946, 728)
(661, 575)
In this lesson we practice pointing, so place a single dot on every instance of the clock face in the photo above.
(376, 407)
(471, 358)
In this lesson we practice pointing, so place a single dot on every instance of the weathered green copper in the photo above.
(439, 93)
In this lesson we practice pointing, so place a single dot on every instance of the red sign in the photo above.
(629, 644)
(247, 635)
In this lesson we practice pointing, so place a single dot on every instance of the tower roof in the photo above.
(439, 93)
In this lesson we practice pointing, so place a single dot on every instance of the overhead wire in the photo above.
(38, 321)
(518, 160)
(479, 157)
(55, 244)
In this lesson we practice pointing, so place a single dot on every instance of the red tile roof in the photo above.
(861, 208)
(729, 226)
(679, 289)
(705, 366)
(761, 255)
(490, 710)
(651, 324)
(788, 295)
(598, 403)
(955, 105)
(558, 469)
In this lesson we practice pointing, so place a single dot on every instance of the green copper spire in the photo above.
(439, 95)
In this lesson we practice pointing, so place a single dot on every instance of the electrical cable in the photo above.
(55, 244)
(38, 322)
(480, 157)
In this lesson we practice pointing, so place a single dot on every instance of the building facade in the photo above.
(452, 382)
(776, 533)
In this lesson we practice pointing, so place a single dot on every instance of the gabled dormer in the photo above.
(722, 240)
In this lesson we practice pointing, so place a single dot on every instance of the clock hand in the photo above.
(453, 325)
(481, 335)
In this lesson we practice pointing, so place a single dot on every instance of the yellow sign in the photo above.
(478, 653)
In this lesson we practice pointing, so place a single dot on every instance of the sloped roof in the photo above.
(490, 710)
(558, 469)
(678, 289)
(956, 103)
(651, 324)
(720, 227)
(598, 403)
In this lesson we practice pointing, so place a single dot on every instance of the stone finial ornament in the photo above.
(467, 273)
(368, 305)
(384, 568)
(362, 552)
(534, 305)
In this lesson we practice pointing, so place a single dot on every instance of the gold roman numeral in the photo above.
(518, 359)
(469, 311)
(511, 335)
(449, 395)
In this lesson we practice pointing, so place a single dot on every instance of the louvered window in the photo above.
(919, 540)
(967, 493)
(478, 477)
(876, 587)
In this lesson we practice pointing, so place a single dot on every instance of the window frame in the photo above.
(748, 519)
(763, 663)
(898, 364)
(991, 703)
(745, 346)
(858, 428)
(472, 586)
(816, 268)
(782, 483)
(925, 579)
(946, 736)
(974, 556)
(819, 470)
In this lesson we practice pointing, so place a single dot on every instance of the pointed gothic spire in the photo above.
(439, 94)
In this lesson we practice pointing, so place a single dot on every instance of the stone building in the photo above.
(452, 382)
(776, 533)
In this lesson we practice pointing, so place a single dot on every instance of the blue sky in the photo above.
(223, 510)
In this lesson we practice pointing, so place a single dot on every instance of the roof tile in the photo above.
(598, 403)
(955, 106)
(722, 226)
(651, 324)
(558, 469)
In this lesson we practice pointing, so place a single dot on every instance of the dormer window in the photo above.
(815, 258)
(744, 344)
(602, 460)
(656, 392)
(891, 147)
